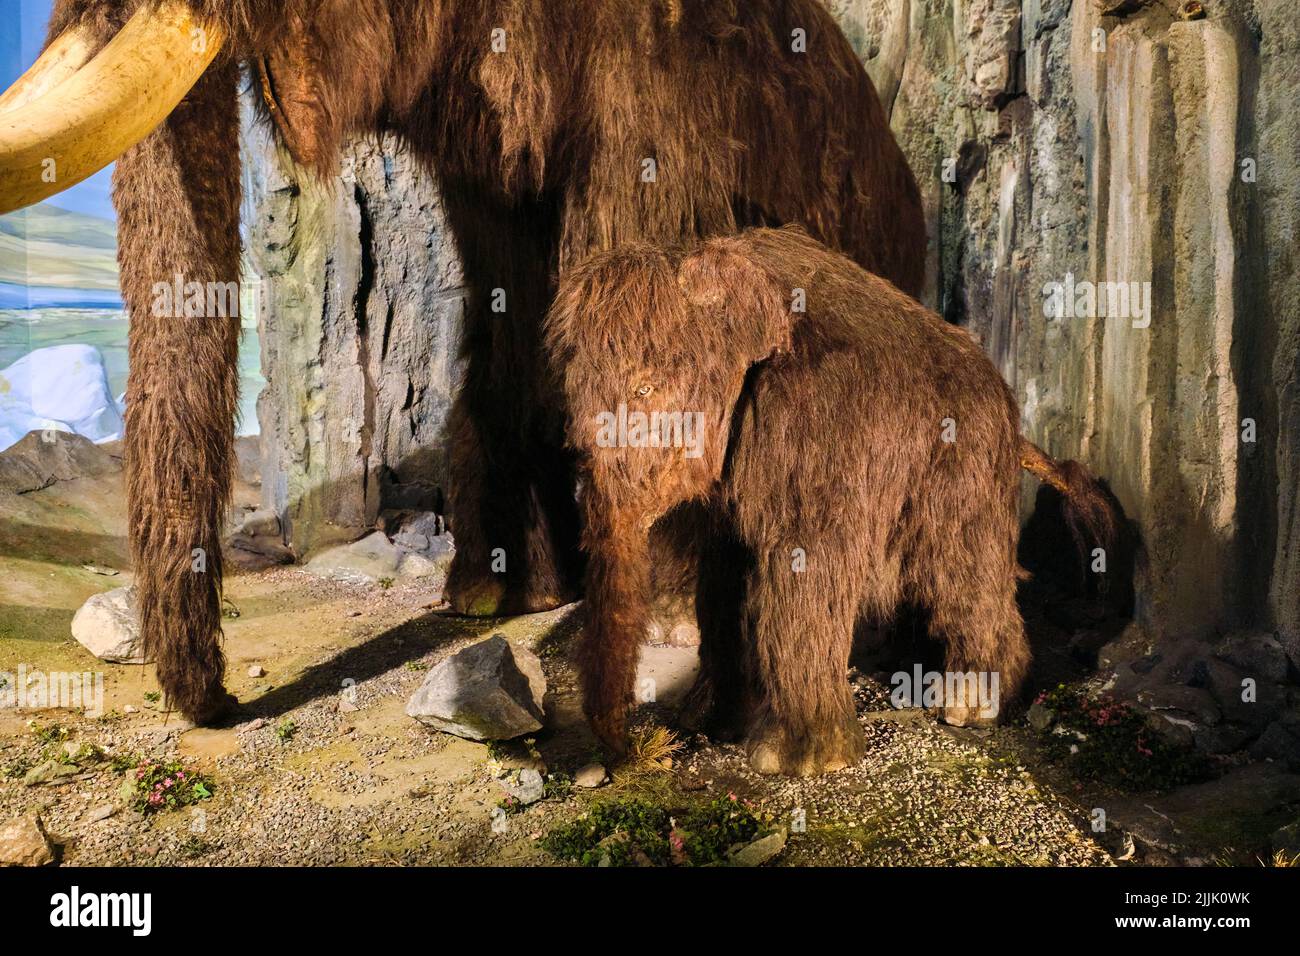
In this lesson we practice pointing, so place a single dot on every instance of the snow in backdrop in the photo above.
(63, 330)
(64, 388)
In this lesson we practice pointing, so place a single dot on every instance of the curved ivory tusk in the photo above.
(106, 107)
(61, 59)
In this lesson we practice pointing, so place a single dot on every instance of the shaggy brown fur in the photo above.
(540, 149)
(824, 465)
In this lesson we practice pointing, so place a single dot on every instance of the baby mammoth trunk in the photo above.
(177, 199)
(1092, 514)
(618, 601)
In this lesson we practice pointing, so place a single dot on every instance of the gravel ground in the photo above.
(371, 786)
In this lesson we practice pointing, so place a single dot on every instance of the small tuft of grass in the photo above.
(652, 747)
(17, 768)
(83, 756)
(194, 846)
(49, 734)
(286, 731)
(558, 786)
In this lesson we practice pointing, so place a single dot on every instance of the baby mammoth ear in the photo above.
(752, 310)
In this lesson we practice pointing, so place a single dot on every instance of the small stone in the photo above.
(130, 709)
(591, 776)
(256, 724)
(1255, 654)
(1286, 840)
(367, 560)
(108, 626)
(347, 707)
(1146, 664)
(411, 540)
(1222, 738)
(265, 524)
(526, 786)
(102, 813)
(759, 851)
(415, 565)
(24, 842)
(48, 772)
(257, 670)
(1281, 742)
(1040, 716)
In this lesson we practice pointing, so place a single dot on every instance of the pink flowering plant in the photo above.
(1106, 740)
(154, 785)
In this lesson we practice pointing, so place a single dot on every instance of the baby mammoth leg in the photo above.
(801, 634)
(716, 704)
(674, 547)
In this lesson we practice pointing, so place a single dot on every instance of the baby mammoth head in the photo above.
(652, 349)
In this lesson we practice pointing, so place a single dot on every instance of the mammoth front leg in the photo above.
(512, 495)
(177, 200)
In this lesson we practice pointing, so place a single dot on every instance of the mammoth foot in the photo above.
(808, 755)
(491, 596)
(220, 703)
(610, 729)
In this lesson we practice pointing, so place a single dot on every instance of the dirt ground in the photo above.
(322, 765)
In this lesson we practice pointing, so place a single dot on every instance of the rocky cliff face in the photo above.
(1155, 144)
(359, 316)
(1060, 147)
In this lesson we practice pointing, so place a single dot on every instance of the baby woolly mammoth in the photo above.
(853, 451)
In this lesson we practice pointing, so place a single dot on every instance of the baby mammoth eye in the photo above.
(645, 390)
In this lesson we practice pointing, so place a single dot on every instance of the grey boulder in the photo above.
(489, 691)
(108, 626)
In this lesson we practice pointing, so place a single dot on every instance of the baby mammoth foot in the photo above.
(705, 712)
(672, 622)
(475, 597)
(681, 633)
(962, 716)
(808, 755)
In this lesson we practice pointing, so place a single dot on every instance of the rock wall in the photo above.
(1154, 145)
(1054, 144)
(359, 312)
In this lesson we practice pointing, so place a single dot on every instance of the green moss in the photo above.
(627, 831)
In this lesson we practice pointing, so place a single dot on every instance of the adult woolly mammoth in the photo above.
(555, 129)
(853, 450)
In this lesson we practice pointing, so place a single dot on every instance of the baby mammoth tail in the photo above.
(1092, 515)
